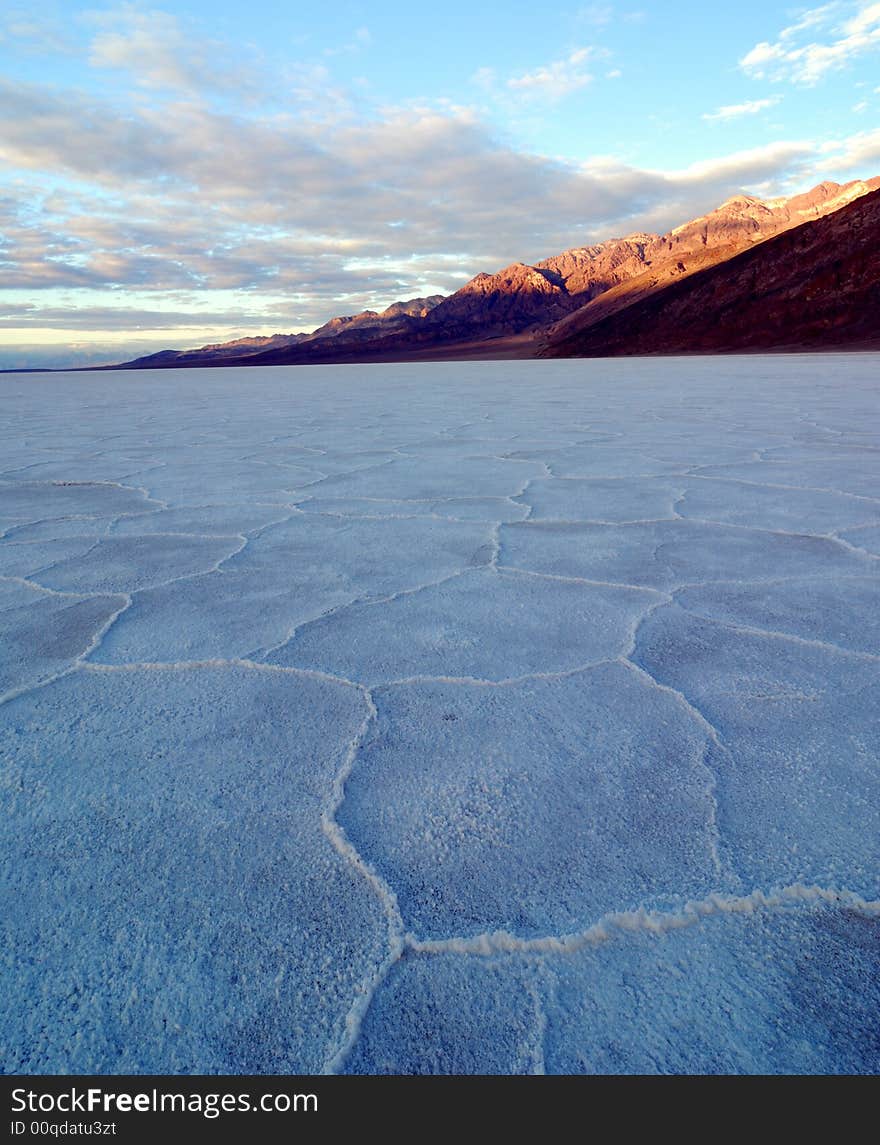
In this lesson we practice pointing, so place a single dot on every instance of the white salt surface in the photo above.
(511, 717)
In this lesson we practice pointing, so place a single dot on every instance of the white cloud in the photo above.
(485, 78)
(737, 110)
(773, 162)
(864, 21)
(850, 30)
(359, 41)
(187, 197)
(857, 155)
(598, 15)
(23, 316)
(35, 34)
(811, 18)
(159, 53)
(556, 79)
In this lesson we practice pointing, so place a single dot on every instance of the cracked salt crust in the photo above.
(342, 732)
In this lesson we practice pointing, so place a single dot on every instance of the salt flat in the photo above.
(499, 717)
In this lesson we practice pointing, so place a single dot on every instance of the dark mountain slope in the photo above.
(815, 287)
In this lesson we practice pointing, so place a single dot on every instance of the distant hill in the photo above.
(546, 308)
(351, 330)
(814, 287)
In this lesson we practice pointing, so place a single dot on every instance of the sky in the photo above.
(177, 175)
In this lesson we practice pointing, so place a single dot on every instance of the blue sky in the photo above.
(180, 174)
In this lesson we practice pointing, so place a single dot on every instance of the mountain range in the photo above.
(796, 273)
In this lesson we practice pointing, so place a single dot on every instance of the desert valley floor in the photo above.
(511, 717)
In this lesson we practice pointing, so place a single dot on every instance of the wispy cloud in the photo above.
(596, 15)
(22, 316)
(159, 52)
(849, 30)
(35, 34)
(859, 153)
(737, 110)
(359, 41)
(556, 79)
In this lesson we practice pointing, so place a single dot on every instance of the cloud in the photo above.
(159, 53)
(752, 165)
(859, 153)
(359, 40)
(20, 316)
(597, 15)
(660, 200)
(556, 79)
(30, 35)
(788, 58)
(485, 78)
(865, 20)
(737, 110)
(188, 197)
